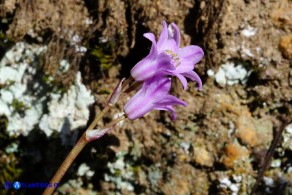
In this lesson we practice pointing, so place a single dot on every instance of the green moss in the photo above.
(8, 169)
(104, 54)
(136, 170)
(47, 79)
(118, 173)
(104, 91)
(53, 86)
(5, 42)
(3, 133)
(19, 106)
(6, 84)
(2, 35)
(105, 60)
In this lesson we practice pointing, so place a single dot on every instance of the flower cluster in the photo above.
(165, 59)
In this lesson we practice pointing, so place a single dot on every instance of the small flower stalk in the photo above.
(152, 76)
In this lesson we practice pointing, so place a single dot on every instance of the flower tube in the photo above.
(154, 94)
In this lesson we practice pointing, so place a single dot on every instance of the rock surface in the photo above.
(218, 142)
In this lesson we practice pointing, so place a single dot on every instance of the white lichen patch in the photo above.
(231, 74)
(287, 138)
(75, 41)
(249, 31)
(11, 148)
(22, 104)
(121, 174)
(84, 170)
(185, 146)
(276, 163)
(69, 110)
(17, 100)
(269, 184)
(231, 184)
(64, 66)
(88, 21)
(246, 52)
(210, 73)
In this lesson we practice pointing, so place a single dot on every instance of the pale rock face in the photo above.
(24, 109)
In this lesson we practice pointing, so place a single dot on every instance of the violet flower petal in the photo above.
(194, 77)
(163, 36)
(144, 100)
(148, 68)
(166, 41)
(182, 79)
(176, 34)
(191, 53)
(166, 58)
(171, 100)
(153, 64)
(152, 95)
(153, 51)
(170, 109)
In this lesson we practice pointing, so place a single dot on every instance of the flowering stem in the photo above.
(81, 143)
(77, 149)
(116, 121)
(98, 117)
(66, 164)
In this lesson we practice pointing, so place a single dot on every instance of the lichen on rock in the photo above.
(69, 110)
(24, 99)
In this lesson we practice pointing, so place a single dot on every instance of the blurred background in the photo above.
(60, 60)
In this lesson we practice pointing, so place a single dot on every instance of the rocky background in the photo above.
(59, 61)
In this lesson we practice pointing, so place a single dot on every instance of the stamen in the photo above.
(168, 51)
(177, 64)
(174, 57)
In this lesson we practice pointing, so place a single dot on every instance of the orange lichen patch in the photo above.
(185, 179)
(203, 157)
(236, 157)
(250, 131)
(286, 46)
(282, 17)
(227, 104)
(247, 136)
(253, 132)
(246, 131)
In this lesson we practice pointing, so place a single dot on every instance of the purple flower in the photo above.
(167, 58)
(152, 95)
